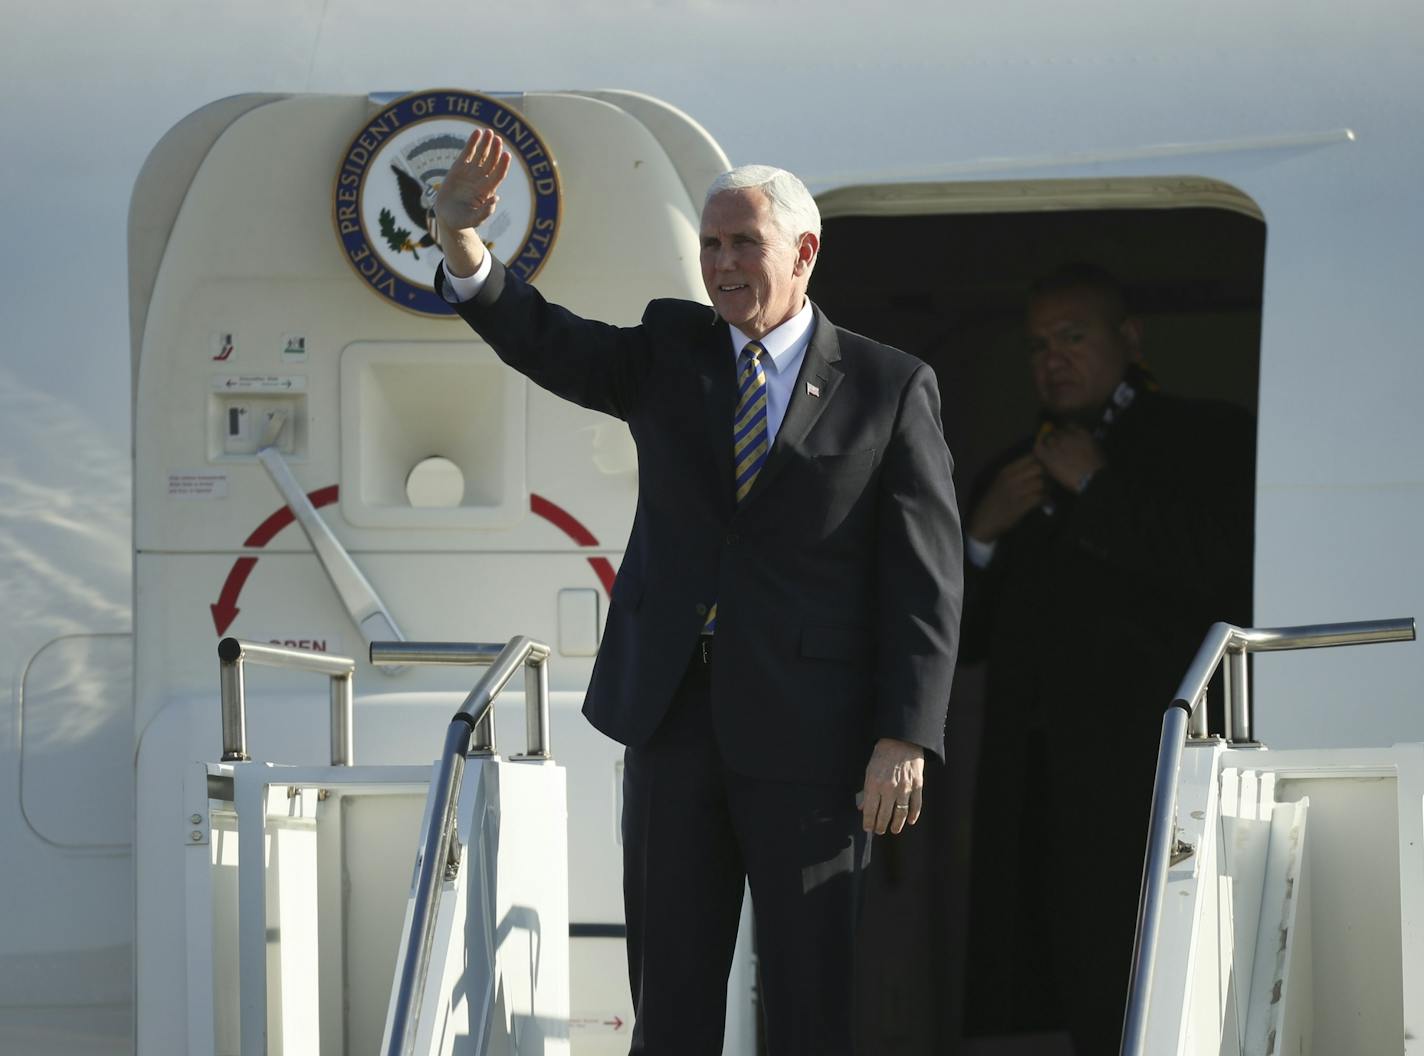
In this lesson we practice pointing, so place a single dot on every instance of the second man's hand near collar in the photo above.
(1018, 488)
(1070, 455)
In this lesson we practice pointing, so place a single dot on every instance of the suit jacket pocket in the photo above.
(848, 463)
(818, 494)
(850, 645)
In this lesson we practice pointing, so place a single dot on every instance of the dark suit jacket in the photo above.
(837, 580)
(1103, 604)
(1088, 619)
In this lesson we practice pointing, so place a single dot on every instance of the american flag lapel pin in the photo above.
(813, 390)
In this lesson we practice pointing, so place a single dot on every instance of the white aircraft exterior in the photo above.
(1305, 116)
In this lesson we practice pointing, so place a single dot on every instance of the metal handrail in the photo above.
(439, 845)
(233, 654)
(474, 654)
(1186, 717)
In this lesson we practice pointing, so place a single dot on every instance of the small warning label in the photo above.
(197, 484)
(224, 344)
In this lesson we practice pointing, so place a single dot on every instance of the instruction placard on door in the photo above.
(259, 383)
(197, 484)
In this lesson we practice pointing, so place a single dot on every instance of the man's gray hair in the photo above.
(792, 208)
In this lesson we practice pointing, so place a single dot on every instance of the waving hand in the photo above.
(467, 199)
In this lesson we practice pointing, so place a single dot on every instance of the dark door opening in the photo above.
(951, 288)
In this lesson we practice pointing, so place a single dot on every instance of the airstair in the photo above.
(307, 929)
(1282, 907)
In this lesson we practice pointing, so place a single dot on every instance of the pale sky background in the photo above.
(831, 89)
(88, 86)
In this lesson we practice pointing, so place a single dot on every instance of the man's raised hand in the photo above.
(467, 199)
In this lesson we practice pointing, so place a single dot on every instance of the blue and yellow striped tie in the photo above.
(750, 438)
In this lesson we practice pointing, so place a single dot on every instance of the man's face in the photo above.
(754, 274)
(1080, 347)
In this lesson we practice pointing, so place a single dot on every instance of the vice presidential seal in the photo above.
(386, 185)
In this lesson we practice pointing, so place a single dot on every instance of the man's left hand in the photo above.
(894, 780)
(1069, 454)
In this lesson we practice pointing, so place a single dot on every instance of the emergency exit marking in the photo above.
(294, 348)
(197, 484)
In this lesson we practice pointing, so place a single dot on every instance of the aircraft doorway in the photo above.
(943, 271)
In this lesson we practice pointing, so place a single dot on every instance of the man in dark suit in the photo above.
(784, 624)
(1100, 551)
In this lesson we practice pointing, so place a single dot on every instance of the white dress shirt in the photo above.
(785, 346)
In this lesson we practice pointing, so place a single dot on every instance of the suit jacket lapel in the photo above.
(821, 369)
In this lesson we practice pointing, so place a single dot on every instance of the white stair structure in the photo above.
(297, 878)
(484, 962)
(1283, 896)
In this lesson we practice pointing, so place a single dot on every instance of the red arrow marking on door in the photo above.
(283, 517)
(570, 525)
(226, 610)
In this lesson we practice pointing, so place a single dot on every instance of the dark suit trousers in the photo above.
(693, 834)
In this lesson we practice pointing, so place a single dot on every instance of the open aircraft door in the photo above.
(326, 457)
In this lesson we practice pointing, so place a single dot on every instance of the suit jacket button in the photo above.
(701, 609)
